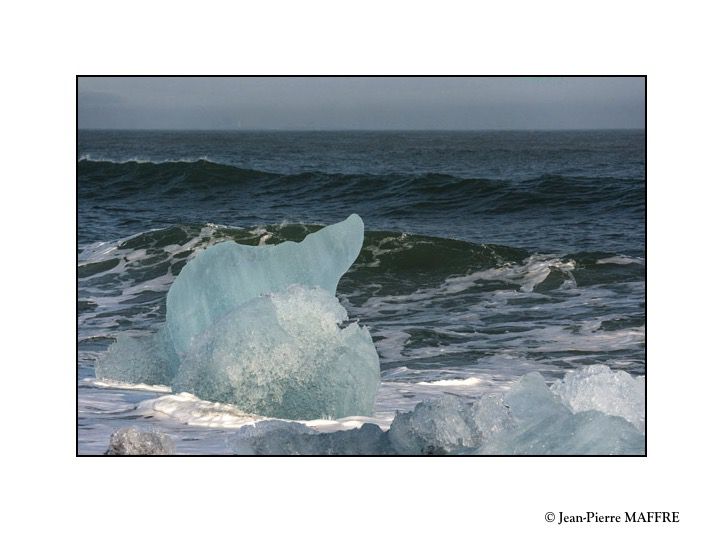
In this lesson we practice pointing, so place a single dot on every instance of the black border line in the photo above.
(77, 238)
(646, 261)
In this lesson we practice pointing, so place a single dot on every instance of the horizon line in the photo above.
(320, 130)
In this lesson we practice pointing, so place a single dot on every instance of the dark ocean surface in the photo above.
(487, 255)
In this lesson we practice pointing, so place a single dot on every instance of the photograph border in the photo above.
(77, 243)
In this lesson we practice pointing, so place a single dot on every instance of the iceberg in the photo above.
(260, 327)
(228, 275)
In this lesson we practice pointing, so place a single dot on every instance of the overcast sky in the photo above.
(327, 103)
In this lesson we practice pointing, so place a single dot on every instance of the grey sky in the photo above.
(464, 103)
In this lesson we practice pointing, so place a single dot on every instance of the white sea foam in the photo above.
(497, 321)
(533, 271)
(387, 245)
(528, 275)
(350, 422)
(403, 388)
(621, 259)
(119, 385)
(392, 343)
(188, 409)
(142, 160)
(551, 339)
(470, 381)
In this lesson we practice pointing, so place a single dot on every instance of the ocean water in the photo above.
(487, 255)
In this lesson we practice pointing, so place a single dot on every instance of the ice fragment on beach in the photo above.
(275, 437)
(544, 426)
(132, 442)
(598, 388)
(448, 425)
(258, 327)
(271, 437)
(528, 419)
(490, 415)
(440, 426)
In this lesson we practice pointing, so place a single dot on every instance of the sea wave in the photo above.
(100, 179)
(161, 252)
(499, 296)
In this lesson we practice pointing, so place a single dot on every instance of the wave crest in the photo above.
(424, 192)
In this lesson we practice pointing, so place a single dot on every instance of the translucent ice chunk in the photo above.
(544, 426)
(276, 437)
(448, 425)
(227, 275)
(440, 426)
(490, 415)
(528, 419)
(283, 355)
(598, 388)
(530, 400)
(271, 437)
(258, 327)
(148, 359)
(132, 442)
